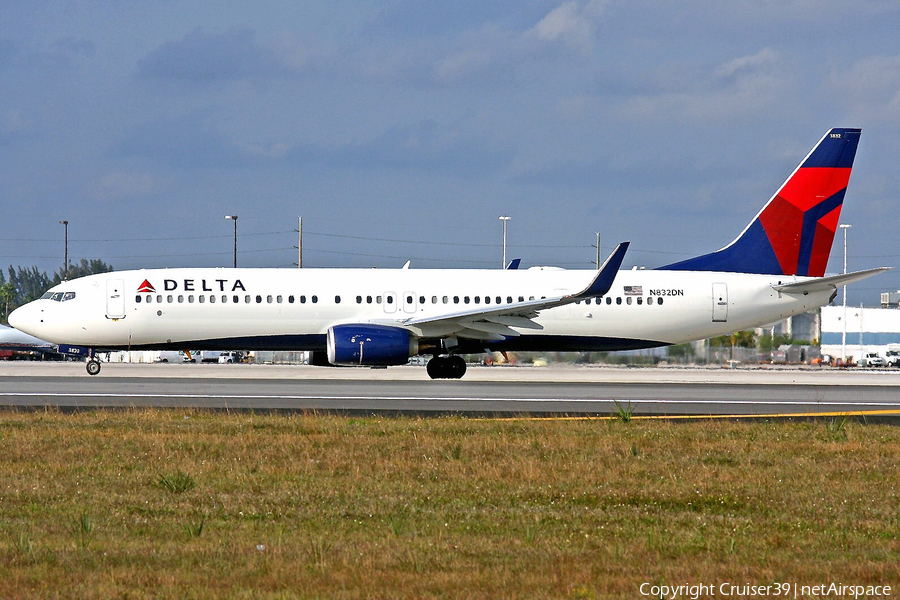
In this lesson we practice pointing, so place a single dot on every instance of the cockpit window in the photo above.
(46, 295)
(68, 296)
(57, 296)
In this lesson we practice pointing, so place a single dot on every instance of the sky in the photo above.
(401, 130)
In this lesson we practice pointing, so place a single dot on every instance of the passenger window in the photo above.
(445, 299)
(659, 300)
(628, 300)
(487, 299)
(149, 299)
(258, 299)
(202, 299)
(455, 299)
(159, 299)
(390, 299)
(180, 299)
(212, 299)
(315, 299)
(378, 299)
(337, 299)
(290, 299)
(269, 299)
(530, 298)
(421, 299)
(477, 299)
(498, 299)
(137, 299)
(640, 301)
(509, 299)
(247, 299)
(191, 298)
(618, 301)
(302, 299)
(608, 300)
(368, 299)
(434, 299)
(466, 299)
(521, 298)
(359, 299)
(409, 299)
(170, 299)
(278, 299)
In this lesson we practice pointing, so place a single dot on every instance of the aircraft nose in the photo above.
(25, 318)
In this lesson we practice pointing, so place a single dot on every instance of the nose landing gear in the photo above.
(93, 366)
(446, 367)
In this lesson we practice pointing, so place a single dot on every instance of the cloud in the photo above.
(745, 85)
(871, 89)
(573, 23)
(419, 146)
(187, 141)
(12, 124)
(208, 57)
(58, 55)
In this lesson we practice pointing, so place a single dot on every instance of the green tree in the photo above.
(83, 269)
(7, 291)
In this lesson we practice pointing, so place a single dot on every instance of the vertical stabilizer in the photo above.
(793, 233)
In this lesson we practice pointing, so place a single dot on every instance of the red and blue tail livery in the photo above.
(793, 233)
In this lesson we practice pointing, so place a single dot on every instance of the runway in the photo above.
(497, 391)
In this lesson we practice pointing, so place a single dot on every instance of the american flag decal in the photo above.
(634, 290)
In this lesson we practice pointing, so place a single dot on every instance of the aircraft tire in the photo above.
(93, 367)
(457, 367)
(446, 367)
(437, 368)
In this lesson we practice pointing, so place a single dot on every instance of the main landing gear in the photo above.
(446, 367)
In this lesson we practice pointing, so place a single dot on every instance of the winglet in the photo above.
(513, 264)
(606, 274)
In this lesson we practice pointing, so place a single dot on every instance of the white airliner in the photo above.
(378, 317)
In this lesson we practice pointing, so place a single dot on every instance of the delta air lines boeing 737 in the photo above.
(379, 317)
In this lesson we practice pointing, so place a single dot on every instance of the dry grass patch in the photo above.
(199, 504)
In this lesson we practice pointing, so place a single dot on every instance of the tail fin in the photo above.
(793, 233)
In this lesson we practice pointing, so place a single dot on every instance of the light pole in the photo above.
(845, 227)
(66, 260)
(234, 218)
(505, 219)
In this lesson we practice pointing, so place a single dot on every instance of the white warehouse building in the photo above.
(867, 330)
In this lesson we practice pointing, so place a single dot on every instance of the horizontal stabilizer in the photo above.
(824, 284)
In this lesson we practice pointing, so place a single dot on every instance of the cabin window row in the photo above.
(224, 298)
(628, 300)
(303, 299)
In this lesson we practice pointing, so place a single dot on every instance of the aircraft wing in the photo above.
(497, 322)
(823, 284)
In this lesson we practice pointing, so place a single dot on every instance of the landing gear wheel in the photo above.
(457, 366)
(446, 367)
(93, 367)
(436, 368)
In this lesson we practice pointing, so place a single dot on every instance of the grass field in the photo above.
(152, 503)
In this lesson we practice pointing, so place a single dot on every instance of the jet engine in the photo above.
(355, 345)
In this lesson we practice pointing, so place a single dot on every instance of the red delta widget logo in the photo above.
(194, 285)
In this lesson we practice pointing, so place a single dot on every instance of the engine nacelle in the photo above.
(357, 345)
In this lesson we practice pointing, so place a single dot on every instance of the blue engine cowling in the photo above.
(357, 345)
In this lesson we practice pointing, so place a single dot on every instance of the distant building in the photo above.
(867, 330)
